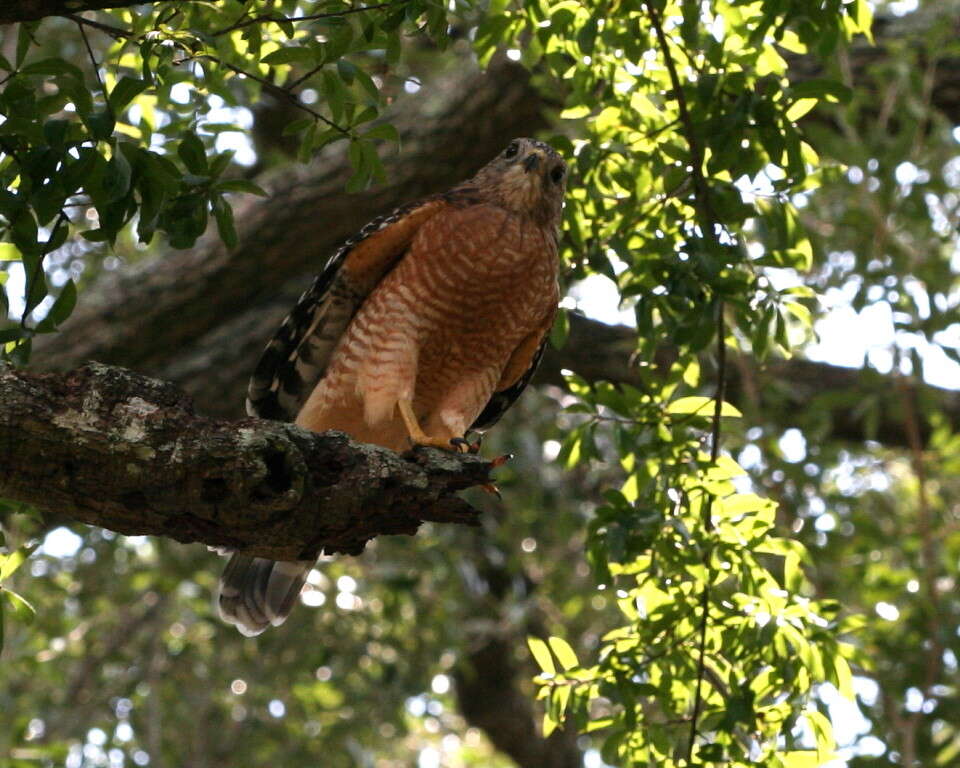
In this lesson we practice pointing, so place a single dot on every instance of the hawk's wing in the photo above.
(502, 400)
(297, 356)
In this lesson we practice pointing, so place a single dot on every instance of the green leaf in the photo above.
(542, 655)
(10, 563)
(347, 70)
(100, 124)
(805, 758)
(549, 725)
(701, 406)
(193, 153)
(385, 131)
(97, 235)
(241, 185)
(116, 178)
(63, 307)
(52, 66)
(821, 88)
(23, 231)
(863, 15)
(298, 125)
(587, 36)
(564, 653)
(368, 85)
(221, 162)
(22, 610)
(307, 143)
(24, 40)
(55, 132)
(125, 91)
(799, 108)
(335, 93)
(289, 55)
(844, 677)
(575, 113)
(223, 214)
(9, 252)
(822, 732)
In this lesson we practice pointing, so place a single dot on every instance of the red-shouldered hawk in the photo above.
(428, 324)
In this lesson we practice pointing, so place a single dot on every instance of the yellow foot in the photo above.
(417, 435)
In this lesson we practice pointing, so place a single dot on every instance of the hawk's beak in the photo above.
(532, 161)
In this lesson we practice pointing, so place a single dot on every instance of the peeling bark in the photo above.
(109, 447)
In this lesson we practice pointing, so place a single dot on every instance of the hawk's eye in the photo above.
(512, 151)
(557, 174)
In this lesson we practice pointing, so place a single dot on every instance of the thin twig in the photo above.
(701, 192)
(115, 32)
(96, 71)
(271, 87)
(307, 76)
(270, 17)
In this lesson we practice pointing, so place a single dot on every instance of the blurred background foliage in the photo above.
(792, 184)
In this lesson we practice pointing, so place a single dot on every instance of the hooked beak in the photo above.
(532, 161)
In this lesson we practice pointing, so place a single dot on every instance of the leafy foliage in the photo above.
(714, 641)
(135, 140)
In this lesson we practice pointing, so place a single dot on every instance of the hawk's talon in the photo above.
(433, 442)
(465, 446)
(417, 435)
(501, 460)
(492, 489)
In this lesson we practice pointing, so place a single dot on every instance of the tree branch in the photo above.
(12, 11)
(109, 447)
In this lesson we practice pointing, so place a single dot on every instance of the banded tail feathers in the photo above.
(256, 593)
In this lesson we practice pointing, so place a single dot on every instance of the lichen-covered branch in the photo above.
(109, 447)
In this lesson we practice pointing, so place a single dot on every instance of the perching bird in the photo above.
(427, 324)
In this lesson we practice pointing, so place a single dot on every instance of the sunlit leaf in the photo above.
(541, 653)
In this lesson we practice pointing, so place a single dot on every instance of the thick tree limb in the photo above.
(109, 447)
(12, 11)
(851, 404)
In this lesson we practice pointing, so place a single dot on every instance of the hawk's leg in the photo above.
(417, 435)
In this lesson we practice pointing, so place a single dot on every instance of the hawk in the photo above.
(427, 324)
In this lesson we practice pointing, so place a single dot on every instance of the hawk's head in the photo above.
(528, 177)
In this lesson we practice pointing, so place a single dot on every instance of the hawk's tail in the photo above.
(256, 592)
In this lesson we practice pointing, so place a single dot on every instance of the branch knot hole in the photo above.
(281, 482)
